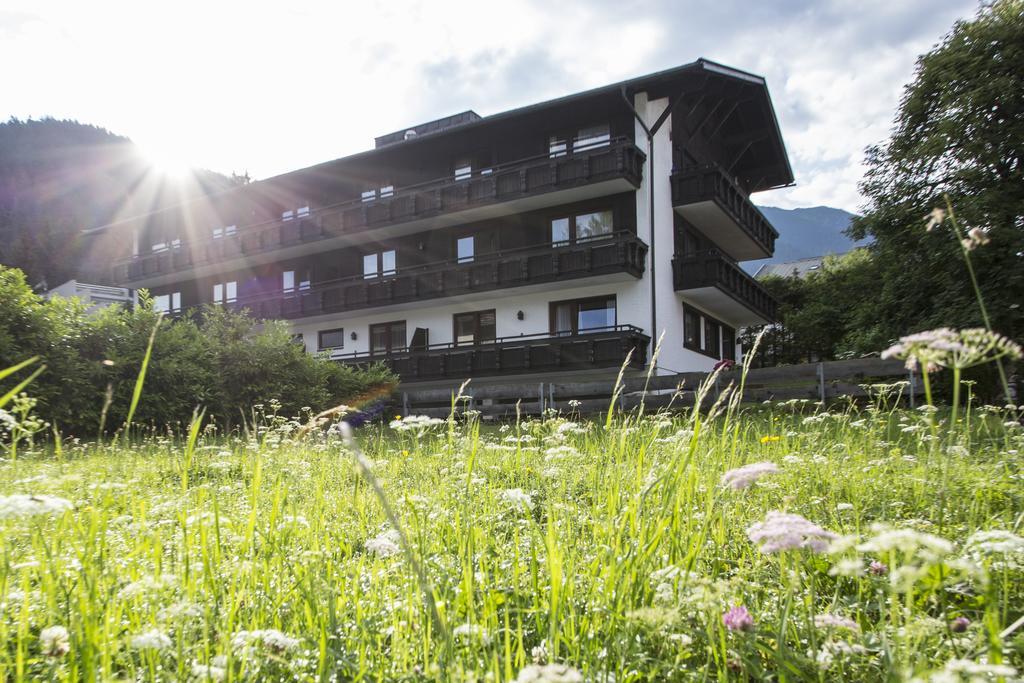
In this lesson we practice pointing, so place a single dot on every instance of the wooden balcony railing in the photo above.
(591, 349)
(622, 252)
(530, 177)
(713, 269)
(711, 183)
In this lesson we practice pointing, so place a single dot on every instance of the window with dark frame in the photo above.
(712, 344)
(463, 169)
(476, 327)
(728, 343)
(225, 292)
(329, 340)
(387, 337)
(167, 303)
(592, 137)
(377, 264)
(691, 330)
(292, 281)
(582, 227)
(465, 249)
(583, 315)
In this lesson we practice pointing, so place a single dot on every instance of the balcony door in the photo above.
(583, 315)
(387, 338)
(477, 327)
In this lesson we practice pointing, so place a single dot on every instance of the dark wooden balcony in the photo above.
(708, 198)
(621, 252)
(593, 349)
(714, 281)
(520, 185)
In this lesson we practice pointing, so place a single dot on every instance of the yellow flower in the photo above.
(769, 439)
(398, 417)
(405, 453)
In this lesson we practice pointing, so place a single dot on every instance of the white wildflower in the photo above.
(272, 639)
(787, 531)
(153, 639)
(994, 542)
(24, 505)
(743, 477)
(208, 672)
(835, 621)
(54, 641)
(549, 673)
(517, 498)
(843, 507)
(385, 544)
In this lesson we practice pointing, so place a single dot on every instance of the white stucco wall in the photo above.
(436, 316)
(661, 234)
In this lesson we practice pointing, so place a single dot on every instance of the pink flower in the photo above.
(738, 619)
(878, 568)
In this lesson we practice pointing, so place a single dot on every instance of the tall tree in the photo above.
(959, 132)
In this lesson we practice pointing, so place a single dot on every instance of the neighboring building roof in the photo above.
(772, 163)
(96, 296)
(798, 268)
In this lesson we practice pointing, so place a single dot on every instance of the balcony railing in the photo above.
(710, 184)
(712, 269)
(622, 252)
(592, 349)
(530, 177)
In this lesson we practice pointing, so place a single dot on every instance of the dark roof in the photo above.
(774, 161)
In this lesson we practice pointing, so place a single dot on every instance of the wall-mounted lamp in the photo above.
(354, 336)
(520, 315)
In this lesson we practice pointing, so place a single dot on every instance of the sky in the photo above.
(268, 87)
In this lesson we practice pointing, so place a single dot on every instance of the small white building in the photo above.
(94, 296)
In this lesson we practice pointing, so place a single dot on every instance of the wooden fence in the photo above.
(820, 382)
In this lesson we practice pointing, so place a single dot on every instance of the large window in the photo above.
(463, 169)
(379, 264)
(292, 281)
(556, 146)
(387, 337)
(225, 231)
(165, 243)
(331, 339)
(225, 292)
(592, 137)
(475, 328)
(583, 315)
(465, 247)
(582, 227)
(704, 334)
(167, 303)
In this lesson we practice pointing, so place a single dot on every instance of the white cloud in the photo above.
(268, 87)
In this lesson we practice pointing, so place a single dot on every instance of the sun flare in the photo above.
(167, 159)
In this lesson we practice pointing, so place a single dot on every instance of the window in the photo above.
(369, 195)
(560, 232)
(387, 191)
(166, 243)
(287, 215)
(581, 228)
(463, 169)
(475, 328)
(167, 303)
(592, 137)
(711, 340)
(330, 339)
(381, 263)
(704, 334)
(225, 292)
(387, 337)
(691, 330)
(288, 281)
(728, 343)
(302, 211)
(297, 338)
(464, 247)
(593, 225)
(225, 231)
(582, 315)
(556, 146)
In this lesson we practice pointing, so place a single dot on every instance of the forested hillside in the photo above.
(58, 177)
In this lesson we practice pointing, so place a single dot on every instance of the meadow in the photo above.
(781, 541)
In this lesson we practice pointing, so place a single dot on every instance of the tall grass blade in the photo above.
(141, 379)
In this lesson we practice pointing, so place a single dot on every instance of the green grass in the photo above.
(620, 564)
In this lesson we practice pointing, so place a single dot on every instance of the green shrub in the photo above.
(217, 359)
